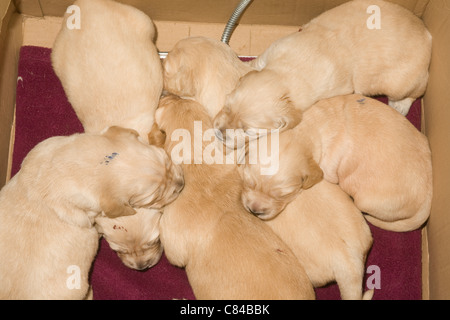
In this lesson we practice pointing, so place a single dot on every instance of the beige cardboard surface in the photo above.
(41, 31)
(28, 7)
(247, 40)
(4, 6)
(269, 12)
(437, 117)
(10, 41)
(263, 21)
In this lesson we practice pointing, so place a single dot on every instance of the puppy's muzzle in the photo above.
(141, 264)
(144, 265)
(260, 205)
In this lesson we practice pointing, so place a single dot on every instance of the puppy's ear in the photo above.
(156, 136)
(113, 208)
(116, 131)
(313, 175)
(179, 75)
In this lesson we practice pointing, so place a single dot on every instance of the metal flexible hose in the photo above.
(232, 22)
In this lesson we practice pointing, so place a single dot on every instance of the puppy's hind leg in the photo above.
(368, 295)
(402, 106)
(349, 277)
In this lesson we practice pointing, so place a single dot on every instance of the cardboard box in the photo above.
(36, 22)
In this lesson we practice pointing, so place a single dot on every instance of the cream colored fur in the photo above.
(111, 72)
(375, 155)
(227, 253)
(134, 238)
(204, 69)
(47, 210)
(110, 68)
(334, 54)
(327, 233)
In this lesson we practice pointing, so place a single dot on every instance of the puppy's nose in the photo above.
(144, 265)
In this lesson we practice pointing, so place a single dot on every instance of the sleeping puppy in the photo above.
(295, 170)
(134, 238)
(375, 155)
(324, 218)
(109, 67)
(111, 72)
(204, 69)
(340, 52)
(227, 253)
(47, 210)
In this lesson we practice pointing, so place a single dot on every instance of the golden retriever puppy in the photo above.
(47, 210)
(135, 238)
(370, 47)
(375, 155)
(293, 169)
(111, 72)
(204, 69)
(327, 233)
(227, 253)
(109, 67)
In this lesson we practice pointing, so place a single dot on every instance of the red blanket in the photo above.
(42, 111)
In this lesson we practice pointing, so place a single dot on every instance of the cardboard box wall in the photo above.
(36, 22)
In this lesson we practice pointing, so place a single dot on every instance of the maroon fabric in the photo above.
(42, 111)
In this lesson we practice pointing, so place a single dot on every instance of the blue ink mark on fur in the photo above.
(109, 158)
(361, 101)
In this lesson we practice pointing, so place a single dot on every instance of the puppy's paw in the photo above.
(402, 106)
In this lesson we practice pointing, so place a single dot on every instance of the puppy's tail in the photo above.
(368, 295)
